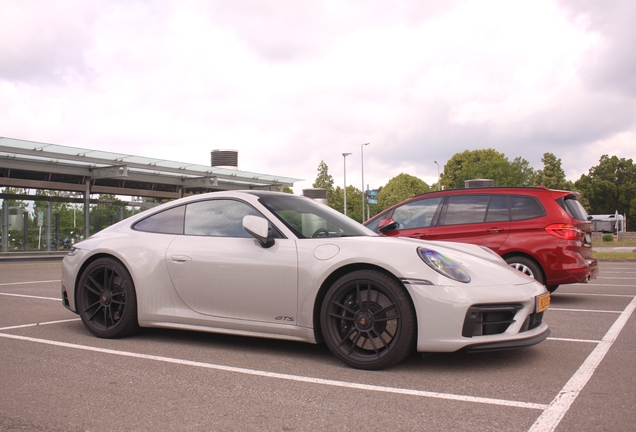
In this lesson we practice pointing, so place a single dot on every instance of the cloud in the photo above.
(611, 66)
(290, 84)
(44, 42)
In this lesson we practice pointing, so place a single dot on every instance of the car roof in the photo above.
(498, 190)
(529, 190)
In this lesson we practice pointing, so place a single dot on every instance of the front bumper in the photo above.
(510, 344)
(454, 318)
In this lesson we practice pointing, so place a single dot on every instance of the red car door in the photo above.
(478, 219)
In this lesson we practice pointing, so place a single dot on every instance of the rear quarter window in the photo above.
(524, 207)
(166, 222)
(575, 209)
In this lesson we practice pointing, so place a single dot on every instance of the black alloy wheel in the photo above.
(368, 320)
(106, 299)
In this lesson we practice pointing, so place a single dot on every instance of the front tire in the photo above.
(368, 320)
(106, 299)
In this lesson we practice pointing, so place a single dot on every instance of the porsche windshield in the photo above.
(310, 219)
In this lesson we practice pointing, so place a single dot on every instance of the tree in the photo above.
(286, 189)
(398, 189)
(324, 179)
(609, 187)
(485, 164)
(552, 175)
(354, 202)
(521, 173)
(105, 214)
(15, 191)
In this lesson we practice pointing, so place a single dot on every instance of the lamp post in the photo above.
(344, 158)
(362, 158)
(438, 185)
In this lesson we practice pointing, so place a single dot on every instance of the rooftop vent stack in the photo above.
(319, 194)
(479, 183)
(224, 159)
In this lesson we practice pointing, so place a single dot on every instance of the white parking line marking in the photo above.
(618, 272)
(584, 310)
(39, 324)
(33, 297)
(297, 378)
(620, 278)
(26, 283)
(552, 416)
(567, 340)
(590, 294)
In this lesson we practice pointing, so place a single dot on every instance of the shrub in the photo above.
(608, 238)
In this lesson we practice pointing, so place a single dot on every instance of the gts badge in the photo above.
(285, 318)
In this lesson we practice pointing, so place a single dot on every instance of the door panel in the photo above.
(477, 219)
(236, 278)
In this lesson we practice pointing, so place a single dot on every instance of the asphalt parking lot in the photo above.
(56, 376)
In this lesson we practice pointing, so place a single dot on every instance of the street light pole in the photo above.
(438, 185)
(362, 158)
(344, 158)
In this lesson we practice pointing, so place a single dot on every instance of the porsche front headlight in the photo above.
(443, 265)
(74, 250)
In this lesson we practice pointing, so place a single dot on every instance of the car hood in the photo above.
(399, 256)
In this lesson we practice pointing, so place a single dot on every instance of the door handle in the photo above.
(494, 230)
(180, 258)
(417, 235)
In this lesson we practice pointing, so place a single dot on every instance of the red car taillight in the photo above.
(564, 231)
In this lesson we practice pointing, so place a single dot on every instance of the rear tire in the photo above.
(368, 320)
(106, 299)
(527, 267)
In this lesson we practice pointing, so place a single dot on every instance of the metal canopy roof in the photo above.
(34, 165)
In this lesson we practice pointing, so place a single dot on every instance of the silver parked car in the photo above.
(276, 265)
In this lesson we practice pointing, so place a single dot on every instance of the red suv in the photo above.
(542, 232)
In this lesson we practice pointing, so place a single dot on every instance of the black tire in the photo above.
(368, 320)
(552, 288)
(106, 299)
(527, 267)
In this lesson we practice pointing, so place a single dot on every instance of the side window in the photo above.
(416, 214)
(524, 207)
(498, 209)
(217, 218)
(466, 209)
(166, 222)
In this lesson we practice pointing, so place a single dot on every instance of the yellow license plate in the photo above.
(542, 302)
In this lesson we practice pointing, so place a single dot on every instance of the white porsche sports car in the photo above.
(276, 265)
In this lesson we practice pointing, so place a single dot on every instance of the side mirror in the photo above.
(258, 228)
(388, 224)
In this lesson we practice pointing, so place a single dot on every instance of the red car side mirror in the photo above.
(388, 224)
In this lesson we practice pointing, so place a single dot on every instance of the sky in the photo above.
(290, 83)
